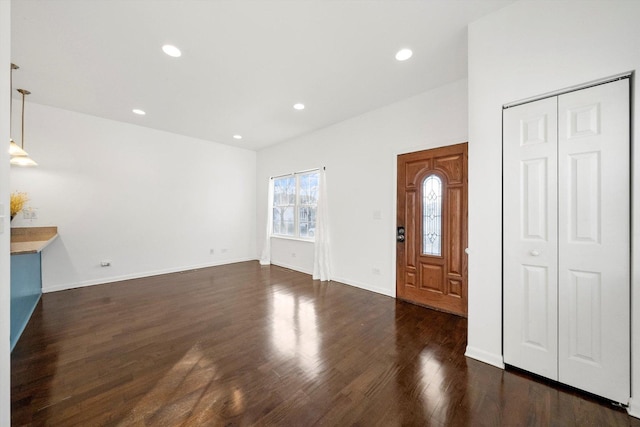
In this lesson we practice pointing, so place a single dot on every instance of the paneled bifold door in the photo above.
(566, 255)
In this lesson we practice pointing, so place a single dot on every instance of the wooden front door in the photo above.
(432, 228)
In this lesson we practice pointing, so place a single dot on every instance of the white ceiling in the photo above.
(244, 63)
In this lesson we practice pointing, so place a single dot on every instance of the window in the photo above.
(432, 216)
(295, 200)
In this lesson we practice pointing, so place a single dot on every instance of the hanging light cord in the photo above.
(22, 123)
(23, 92)
(13, 67)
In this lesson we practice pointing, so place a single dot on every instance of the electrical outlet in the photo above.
(375, 271)
(30, 213)
(224, 250)
(293, 255)
(212, 251)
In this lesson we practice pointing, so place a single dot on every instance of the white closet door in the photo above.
(594, 246)
(530, 237)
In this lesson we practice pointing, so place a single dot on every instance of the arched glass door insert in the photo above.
(432, 216)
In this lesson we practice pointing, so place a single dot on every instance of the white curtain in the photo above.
(265, 258)
(321, 257)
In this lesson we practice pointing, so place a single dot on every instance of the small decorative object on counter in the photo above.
(18, 201)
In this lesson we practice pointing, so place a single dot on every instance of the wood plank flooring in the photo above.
(243, 344)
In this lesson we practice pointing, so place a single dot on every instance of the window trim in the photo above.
(297, 239)
(296, 206)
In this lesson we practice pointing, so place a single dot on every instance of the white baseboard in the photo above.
(140, 275)
(103, 280)
(292, 267)
(484, 356)
(365, 286)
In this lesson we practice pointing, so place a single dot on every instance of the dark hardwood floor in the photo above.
(248, 345)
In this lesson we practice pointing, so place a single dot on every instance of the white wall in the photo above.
(360, 156)
(524, 50)
(5, 61)
(148, 201)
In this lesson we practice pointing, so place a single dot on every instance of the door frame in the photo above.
(394, 212)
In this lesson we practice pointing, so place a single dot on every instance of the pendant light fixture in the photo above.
(14, 149)
(23, 159)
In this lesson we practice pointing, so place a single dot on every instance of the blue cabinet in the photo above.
(26, 289)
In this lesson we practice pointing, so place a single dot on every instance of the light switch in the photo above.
(1, 218)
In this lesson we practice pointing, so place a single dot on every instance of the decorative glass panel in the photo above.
(432, 216)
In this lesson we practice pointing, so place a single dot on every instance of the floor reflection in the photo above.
(223, 346)
(188, 390)
(427, 377)
(431, 376)
(294, 331)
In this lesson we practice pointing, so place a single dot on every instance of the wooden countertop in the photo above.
(31, 240)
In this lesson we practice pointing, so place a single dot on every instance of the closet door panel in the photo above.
(594, 246)
(530, 237)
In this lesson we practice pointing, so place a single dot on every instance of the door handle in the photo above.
(400, 236)
(534, 253)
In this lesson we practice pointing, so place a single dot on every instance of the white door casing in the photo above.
(566, 257)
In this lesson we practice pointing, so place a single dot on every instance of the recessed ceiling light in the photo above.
(298, 106)
(237, 136)
(404, 54)
(171, 50)
(138, 112)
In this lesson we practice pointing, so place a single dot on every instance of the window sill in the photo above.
(297, 239)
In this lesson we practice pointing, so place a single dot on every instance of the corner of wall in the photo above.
(634, 408)
(5, 261)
